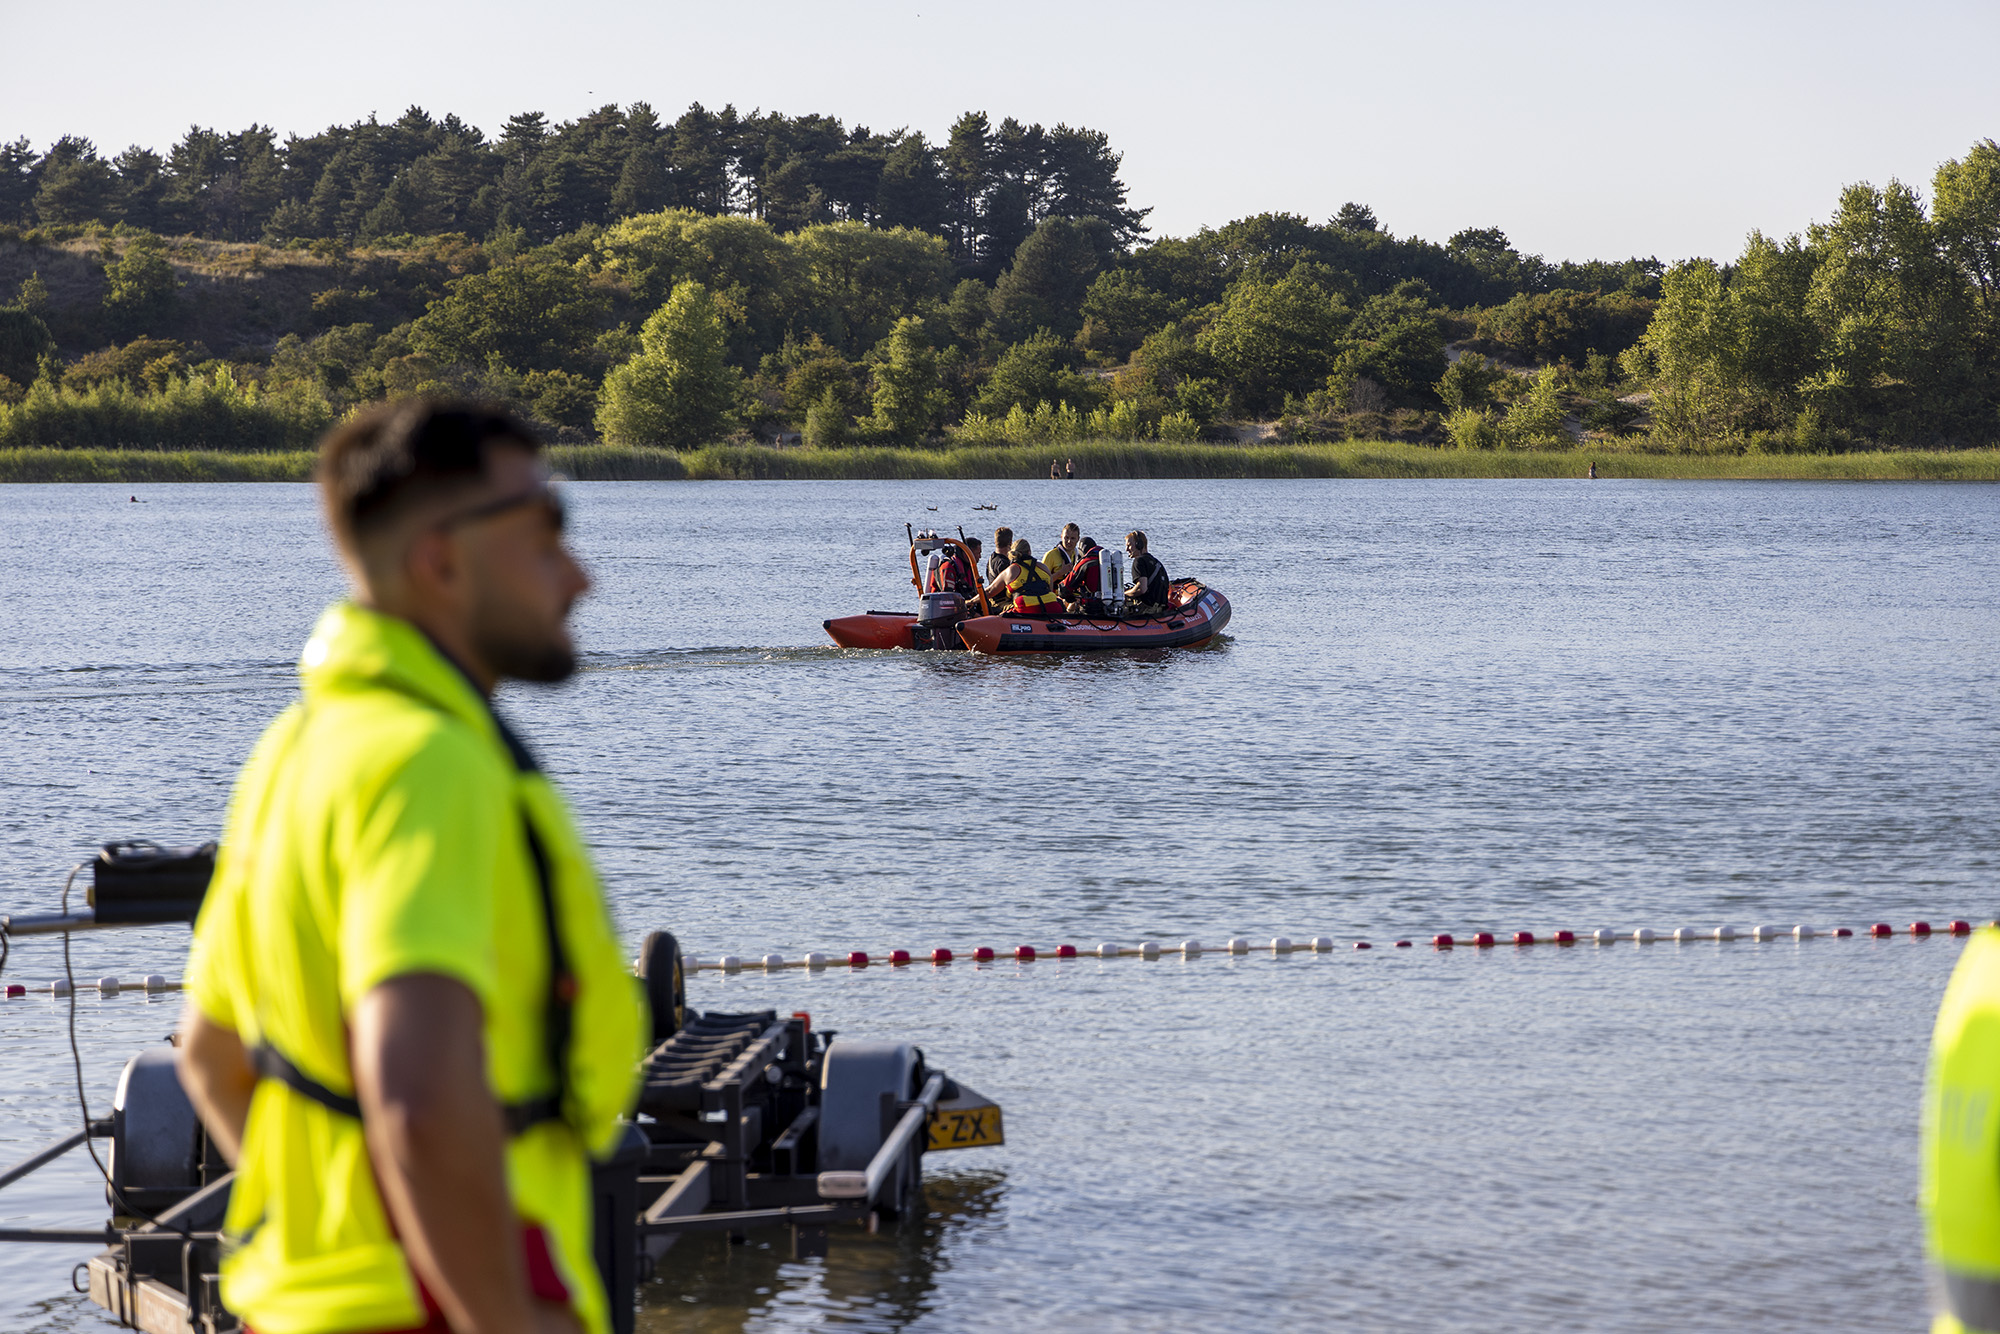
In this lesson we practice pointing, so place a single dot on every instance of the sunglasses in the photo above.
(542, 493)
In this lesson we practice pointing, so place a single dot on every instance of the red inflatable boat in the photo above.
(1195, 614)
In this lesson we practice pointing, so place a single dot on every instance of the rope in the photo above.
(1188, 949)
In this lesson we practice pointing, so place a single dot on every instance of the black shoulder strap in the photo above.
(559, 1025)
(270, 1063)
(562, 981)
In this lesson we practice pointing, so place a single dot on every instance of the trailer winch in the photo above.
(744, 1120)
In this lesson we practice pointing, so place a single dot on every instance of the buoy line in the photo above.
(155, 983)
(1153, 949)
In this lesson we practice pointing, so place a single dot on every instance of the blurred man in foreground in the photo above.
(408, 1022)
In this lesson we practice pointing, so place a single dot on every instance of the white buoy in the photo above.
(1281, 945)
(155, 982)
(1238, 945)
(1766, 932)
(107, 986)
(1644, 935)
(1804, 932)
(1151, 949)
(730, 963)
(1190, 948)
(1322, 943)
(59, 987)
(815, 960)
(1689, 933)
(1725, 933)
(1108, 950)
(1604, 935)
(774, 961)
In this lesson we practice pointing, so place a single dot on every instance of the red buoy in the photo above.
(899, 956)
(1843, 931)
(1402, 944)
(1363, 945)
(1443, 942)
(858, 959)
(1065, 951)
(983, 953)
(1565, 937)
(1920, 928)
(1960, 927)
(16, 989)
(1524, 937)
(1881, 929)
(1025, 953)
(1483, 938)
(940, 956)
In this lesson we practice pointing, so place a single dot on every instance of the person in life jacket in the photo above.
(951, 574)
(1082, 586)
(1959, 1186)
(1150, 588)
(1024, 585)
(1063, 554)
(409, 1023)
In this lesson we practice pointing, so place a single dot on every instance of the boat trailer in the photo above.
(744, 1120)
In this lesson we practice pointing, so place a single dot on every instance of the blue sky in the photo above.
(1584, 130)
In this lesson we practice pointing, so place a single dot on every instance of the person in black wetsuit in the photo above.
(1147, 594)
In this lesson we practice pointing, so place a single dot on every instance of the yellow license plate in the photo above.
(966, 1122)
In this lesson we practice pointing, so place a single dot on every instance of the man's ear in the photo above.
(431, 563)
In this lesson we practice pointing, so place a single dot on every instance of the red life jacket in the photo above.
(1082, 579)
(951, 575)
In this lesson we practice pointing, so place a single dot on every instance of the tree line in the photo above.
(624, 278)
(983, 189)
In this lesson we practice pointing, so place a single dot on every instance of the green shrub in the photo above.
(1470, 428)
(1536, 422)
(200, 413)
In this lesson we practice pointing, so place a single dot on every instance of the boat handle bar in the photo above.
(865, 1186)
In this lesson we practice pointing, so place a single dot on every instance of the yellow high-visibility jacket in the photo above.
(1961, 1141)
(382, 828)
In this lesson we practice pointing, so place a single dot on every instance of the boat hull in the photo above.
(1200, 614)
(891, 629)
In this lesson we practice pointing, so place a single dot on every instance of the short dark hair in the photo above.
(974, 543)
(1003, 538)
(1089, 544)
(375, 464)
(1137, 539)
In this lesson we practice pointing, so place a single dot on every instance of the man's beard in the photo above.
(541, 662)
(518, 651)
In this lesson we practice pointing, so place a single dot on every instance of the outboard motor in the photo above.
(1111, 576)
(939, 607)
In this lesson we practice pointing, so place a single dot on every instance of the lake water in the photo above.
(1441, 706)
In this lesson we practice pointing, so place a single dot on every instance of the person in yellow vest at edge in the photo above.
(409, 1024)
(1960, 1190)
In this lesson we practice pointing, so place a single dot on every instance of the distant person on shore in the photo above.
(1069, 470)
(1003, 542)
(1055, 470)
(1593, 469)
(1063, 554)
(1082, 586)
(1147, 594)
(1025, 584)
